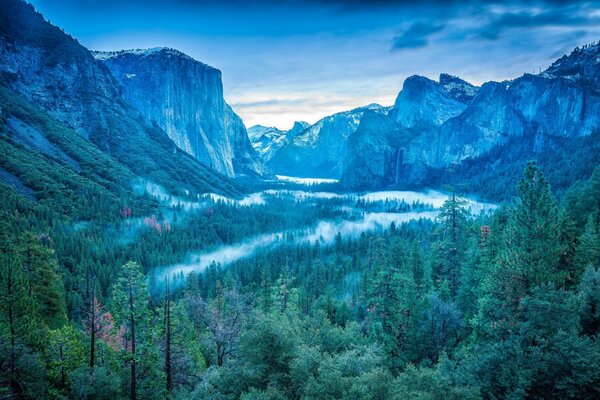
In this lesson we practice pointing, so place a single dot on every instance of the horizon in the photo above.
(365, 51)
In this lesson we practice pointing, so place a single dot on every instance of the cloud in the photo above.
(533, 19)
(302, 60)
(417, 35)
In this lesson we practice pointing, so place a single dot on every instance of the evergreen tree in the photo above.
(45, 284)
(453, 217)
(130, 301)
(587, 253)
(531, 250)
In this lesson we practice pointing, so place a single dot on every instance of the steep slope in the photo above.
(184, 97)
(317, 151)
(268, 140)
(472, 131)
(375, 150)
(45, 161)
(383, 145)
(425, 104)
(47, 68)
(540, 106)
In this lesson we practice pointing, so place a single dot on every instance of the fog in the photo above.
(324, 232)
(300, 195)
(249, 200)
(434, 198)
(305, 181)
(223, 255)
(141, 186)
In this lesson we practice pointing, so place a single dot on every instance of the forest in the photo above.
(497, 305)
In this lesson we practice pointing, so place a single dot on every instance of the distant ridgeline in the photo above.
(300, 293)
(449, 132)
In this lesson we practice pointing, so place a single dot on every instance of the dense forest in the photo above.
(501, 305)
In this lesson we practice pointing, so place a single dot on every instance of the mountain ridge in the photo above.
(51, 70)
(184, 97)
(562, 102)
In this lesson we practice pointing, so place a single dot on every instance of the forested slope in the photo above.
(501, 306)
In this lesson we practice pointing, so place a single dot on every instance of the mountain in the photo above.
(184, 97)
(268, 140)
(424, 103)
(53, 88)
(477, 132)
(380, 146)
(318, 149)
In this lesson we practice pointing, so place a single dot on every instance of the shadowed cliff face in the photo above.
(268, 140)
(184, 97)
(426, 104)
(52, 71)
(435, 127)
(317, 151)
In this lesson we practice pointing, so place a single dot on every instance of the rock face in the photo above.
(317, 151)
(51, 70)
(425, 104)
(268, 140)
(436, 127)
(184, 97)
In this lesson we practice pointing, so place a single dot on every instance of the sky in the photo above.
(289, 60)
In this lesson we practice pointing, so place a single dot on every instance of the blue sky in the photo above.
(293, 60)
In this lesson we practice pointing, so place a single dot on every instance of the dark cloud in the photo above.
(508, 21)
(417, 35)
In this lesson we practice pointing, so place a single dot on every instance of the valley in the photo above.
(153, 246)
(351, 214)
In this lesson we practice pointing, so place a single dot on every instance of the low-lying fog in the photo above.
(362, 212)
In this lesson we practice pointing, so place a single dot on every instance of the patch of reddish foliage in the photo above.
(485, 233)
(126, 212)
(152, 223)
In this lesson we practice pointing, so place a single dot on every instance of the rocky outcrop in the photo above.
(268, 140)
(318, 150)
(436, 126)
(426, 104)
(51, 70)
(184, 97)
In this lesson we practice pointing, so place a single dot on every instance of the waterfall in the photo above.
(397, 165)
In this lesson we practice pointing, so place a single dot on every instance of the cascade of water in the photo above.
(398, 153)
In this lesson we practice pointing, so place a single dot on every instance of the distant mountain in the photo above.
(424, 104)
(184, 97)
(451, 131)
(317, 151)
(384, 143)
(268, 140)
(53, 87)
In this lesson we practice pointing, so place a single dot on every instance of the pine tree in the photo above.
(45, 285)
(531, 250)
(168, 366)
(130, 299)
(527, 256)
(588, 249)
(568, 248)
(453, 217)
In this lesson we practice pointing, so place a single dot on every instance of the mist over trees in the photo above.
(505, 305)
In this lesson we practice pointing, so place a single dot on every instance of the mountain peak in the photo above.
(299, 126)
(447, 79)
(583, 63)
(143, 53)
(457, 88)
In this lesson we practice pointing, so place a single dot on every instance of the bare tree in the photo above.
(222, 317)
